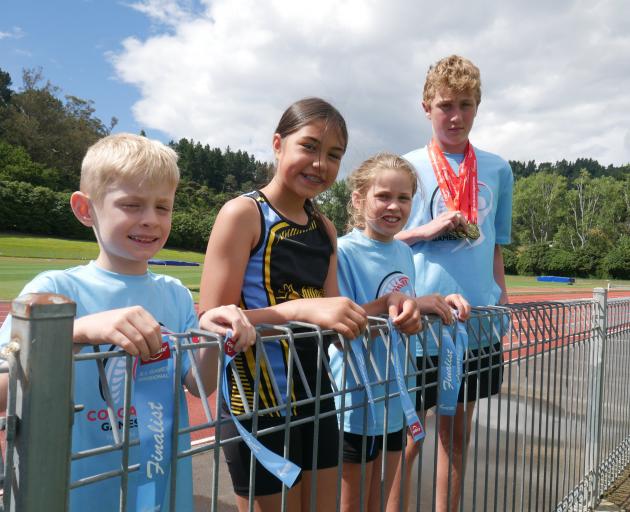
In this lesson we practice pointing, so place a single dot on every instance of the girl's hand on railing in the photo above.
(219, 320)
(404, 312)
(435, 305)
(337, 313)
(457, 301)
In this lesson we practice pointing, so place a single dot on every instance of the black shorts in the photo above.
(483, 373)
(483, 370)
(427, 382)
(301, 441)
(353, 446)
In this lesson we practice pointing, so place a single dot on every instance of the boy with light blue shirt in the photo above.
(127, 192)
(456, 232)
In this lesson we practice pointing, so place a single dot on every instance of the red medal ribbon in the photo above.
(459, 191)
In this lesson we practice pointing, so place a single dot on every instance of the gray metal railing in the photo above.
(555, 438)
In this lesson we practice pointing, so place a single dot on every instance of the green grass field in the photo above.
(23, 257)
(24, 246)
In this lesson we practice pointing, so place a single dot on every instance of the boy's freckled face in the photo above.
(452, 115)
(132, 224)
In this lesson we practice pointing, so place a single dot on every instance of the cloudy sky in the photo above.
(555, 75)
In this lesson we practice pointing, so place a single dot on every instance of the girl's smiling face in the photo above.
(387, 204)
(308, 160)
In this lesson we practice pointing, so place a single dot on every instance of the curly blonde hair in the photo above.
(363, 177)
(455, 73)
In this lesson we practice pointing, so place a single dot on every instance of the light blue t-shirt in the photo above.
(447, 265)
(367, 270)
(95, 290)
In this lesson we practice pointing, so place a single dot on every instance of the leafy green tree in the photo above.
(625, 195)
(587, 208)
(5, 89)
(560, 262)
(31, 209)
(54, 132)
(510, 259)
(616, 264)
(539, 207)
(334, 204)
(191, 231)
(531, 260)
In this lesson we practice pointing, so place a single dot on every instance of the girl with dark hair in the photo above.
(274, 254)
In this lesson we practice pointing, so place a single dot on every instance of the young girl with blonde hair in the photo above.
(375, 270)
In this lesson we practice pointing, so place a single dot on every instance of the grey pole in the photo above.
(42, 327)
(595, 397)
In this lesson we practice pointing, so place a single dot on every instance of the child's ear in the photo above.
(80, 204)
(276, 143)
(357, 200)
(427, 109)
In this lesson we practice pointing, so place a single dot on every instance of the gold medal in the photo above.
(472, 231)
(458, 233)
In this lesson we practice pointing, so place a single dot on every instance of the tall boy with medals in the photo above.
(455, 231)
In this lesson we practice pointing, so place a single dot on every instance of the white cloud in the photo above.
(14, 33)
(165, 12)
(554, 76)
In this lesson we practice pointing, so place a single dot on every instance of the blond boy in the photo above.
(455, 233)
(127, 192)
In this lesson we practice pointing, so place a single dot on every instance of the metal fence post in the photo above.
(595, 396)
(42, 327)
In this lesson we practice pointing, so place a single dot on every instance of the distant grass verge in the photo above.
(22, 257)
(25, 246)
(16, 272)
(524, 284)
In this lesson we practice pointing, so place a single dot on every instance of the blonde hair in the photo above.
(455, 73)
(127, 157)
(363, 177)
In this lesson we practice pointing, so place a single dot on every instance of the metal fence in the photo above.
(555, 438)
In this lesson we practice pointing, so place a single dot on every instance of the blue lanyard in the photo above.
(451, 363)
(415, 427)
(283, 469)
(154, 399)
(357, 350)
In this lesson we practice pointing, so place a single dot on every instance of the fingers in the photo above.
(436, 305)
(349, 319)
(350, 327)
(410, 325)
(136, 332)
(220, 319)
(408, 320)
(462, 306)
(356, 318)
(392, 311)
(452, 220)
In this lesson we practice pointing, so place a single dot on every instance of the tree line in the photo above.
(569, 218)
(43, 137)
